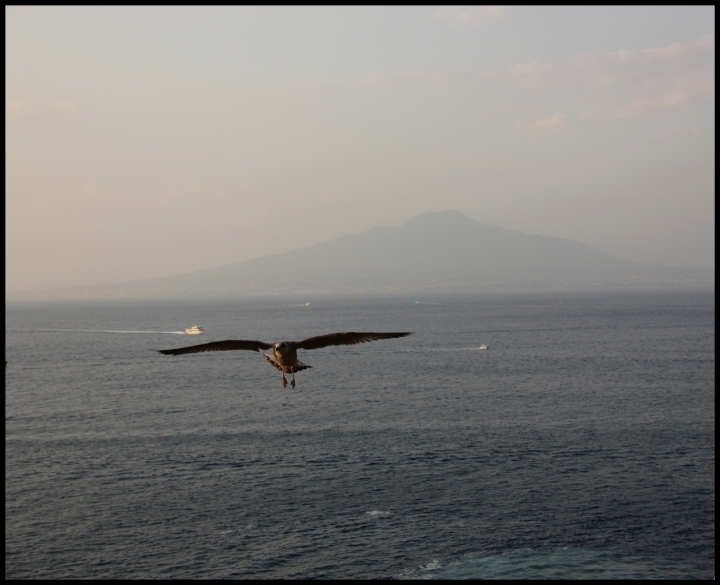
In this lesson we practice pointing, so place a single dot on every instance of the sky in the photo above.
(144, 142)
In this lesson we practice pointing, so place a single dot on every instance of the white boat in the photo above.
(483, 346)
(194, 330)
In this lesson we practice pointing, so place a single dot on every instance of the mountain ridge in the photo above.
(444, 251)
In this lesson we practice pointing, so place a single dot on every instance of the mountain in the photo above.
(435, 252)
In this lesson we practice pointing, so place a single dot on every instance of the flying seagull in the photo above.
(284, 356)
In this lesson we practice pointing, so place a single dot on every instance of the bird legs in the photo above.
(292, 382)
(286, 368)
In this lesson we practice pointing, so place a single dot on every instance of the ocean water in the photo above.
(580, 444)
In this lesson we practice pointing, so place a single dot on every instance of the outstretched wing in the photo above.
(227, 345)
(350, 338)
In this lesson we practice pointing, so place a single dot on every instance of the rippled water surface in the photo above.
(580, 444)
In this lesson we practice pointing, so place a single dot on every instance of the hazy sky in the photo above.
(145, 142)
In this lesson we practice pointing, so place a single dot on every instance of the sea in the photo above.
(580, 444)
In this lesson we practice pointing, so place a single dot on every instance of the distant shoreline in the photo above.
(410, 296)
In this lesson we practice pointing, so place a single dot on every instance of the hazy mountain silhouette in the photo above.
(443, 252)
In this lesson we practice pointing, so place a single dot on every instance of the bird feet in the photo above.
(292, 382)
(284, 381)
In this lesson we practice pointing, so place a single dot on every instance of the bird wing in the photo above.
(350, 338)
(227, 345)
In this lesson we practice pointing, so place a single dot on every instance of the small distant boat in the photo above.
(483, 346)
(194, 330)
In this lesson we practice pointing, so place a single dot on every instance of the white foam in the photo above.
(375, 513)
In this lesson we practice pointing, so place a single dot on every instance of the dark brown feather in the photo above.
(297, 367)
(350, 338)
(227, 345)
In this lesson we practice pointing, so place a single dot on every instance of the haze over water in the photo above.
(580, 444)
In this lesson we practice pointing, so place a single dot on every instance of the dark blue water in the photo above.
(581, 444)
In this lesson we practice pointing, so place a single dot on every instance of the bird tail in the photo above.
(286, 369)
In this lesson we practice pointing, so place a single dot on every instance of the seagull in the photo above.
(284, 356)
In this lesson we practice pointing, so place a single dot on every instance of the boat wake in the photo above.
(481, 348)
(101, 331)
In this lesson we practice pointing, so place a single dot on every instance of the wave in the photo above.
(566, 563)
